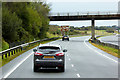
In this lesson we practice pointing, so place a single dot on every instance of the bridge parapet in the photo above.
(84, 13)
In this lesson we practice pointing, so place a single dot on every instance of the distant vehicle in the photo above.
(65, 38)
(49, 56)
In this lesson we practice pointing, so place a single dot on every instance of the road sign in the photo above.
(64, 28)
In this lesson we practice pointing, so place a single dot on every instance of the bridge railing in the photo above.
(83, 13)
(12, 51)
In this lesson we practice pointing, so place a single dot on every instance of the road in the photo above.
(113, 39)
(82, 61)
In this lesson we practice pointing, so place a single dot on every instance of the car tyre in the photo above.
(62, 69)
(35, 68)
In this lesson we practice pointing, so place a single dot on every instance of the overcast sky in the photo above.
(82, 0)
(62, 6)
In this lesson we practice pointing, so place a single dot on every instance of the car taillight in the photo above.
(38, 54)
(60, 54)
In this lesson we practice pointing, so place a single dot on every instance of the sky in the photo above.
(82, 0)
(74, 6)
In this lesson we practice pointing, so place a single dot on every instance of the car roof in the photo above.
(55, 45)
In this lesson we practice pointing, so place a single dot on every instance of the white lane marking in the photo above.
(100, 39)
(67, 54)
(78, 75)
(99, 52)
(17, 66)
(72, 65)
(69, 59)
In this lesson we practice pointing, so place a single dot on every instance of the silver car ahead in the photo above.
(49, 56)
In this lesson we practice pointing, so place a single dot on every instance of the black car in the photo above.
(49, 57)
(65, 38)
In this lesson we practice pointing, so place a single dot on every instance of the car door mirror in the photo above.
(65, 50)
(34, 50)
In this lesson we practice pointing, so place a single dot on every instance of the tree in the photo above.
(10, 24)
(25, 19)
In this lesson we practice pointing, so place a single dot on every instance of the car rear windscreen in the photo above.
(49, 47)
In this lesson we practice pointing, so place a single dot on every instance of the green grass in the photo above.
(5, 45)
(51, 35)
(107, 49)
(77, 35)
(100, 32)
(7, 60)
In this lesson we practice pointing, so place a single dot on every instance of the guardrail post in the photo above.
(16, 49)
(9, 53)
(2, 56)
(21, 48)
(12, 52)
(6, 55)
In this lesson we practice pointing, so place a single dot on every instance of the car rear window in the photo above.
(49, 48)
(65, 36)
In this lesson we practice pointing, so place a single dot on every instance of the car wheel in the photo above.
(35, 68)
(62, 69)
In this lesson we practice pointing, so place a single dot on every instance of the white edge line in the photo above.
(99, 52)
(17, 66)
(78, 75)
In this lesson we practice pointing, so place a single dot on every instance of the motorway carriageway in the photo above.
(82, 61)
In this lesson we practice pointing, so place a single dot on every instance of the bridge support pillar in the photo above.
(93, 30)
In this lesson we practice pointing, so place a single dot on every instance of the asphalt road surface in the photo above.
(82, 61)
(114, 39)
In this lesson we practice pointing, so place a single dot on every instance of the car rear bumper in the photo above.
(65, 38)
(49, 63)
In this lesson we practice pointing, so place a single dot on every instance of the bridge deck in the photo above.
(85, 17)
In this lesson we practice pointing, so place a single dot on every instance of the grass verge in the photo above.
(112, 51)
(7, 60)
(78, 35)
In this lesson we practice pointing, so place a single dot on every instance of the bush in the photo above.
(110, 30)
(5, 45)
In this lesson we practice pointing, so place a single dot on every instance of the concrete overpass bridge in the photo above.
(114, 15)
